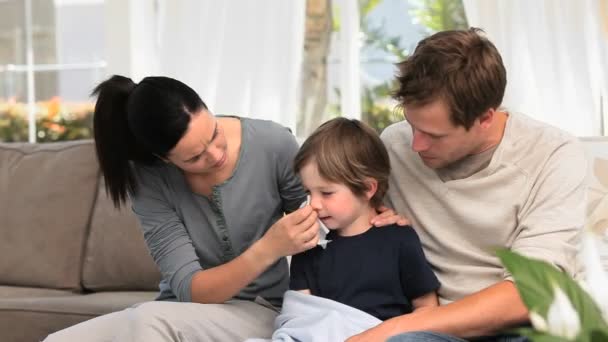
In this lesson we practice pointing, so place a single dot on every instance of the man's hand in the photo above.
(388, 216)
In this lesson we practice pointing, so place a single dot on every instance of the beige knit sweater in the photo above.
(530, 199)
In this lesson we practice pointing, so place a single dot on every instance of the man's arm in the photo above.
(429, 300)
(482, 313)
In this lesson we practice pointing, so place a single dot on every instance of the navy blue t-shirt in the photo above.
(380, 271)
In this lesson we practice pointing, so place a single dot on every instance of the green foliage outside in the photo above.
(55, 121)
(439, 15)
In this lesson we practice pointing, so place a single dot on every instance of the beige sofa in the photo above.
(66, 255)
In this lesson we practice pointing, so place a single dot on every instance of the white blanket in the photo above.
(308, 318)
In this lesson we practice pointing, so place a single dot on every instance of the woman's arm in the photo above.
(292, 234)
(172, 250)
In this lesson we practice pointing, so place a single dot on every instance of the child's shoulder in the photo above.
(402, 238)
(395, 231)
(307, 254)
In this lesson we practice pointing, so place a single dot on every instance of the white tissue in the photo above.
(322, 229)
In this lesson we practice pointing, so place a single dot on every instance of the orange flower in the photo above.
(54, 107)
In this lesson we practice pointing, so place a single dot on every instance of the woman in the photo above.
(211, 195)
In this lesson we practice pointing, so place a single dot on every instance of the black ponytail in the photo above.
(138, 123)
(113, 138)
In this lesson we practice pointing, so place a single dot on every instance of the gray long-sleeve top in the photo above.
(186, 232)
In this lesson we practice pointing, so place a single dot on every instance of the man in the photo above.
(472, 178)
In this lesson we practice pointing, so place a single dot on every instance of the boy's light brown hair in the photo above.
(462, 67)
(348, 152)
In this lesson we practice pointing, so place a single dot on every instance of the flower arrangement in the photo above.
(560, 308)
(55, 120)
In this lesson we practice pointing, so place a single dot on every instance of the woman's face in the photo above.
(203, 147)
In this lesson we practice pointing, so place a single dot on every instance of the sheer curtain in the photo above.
(555, 52)
(242, 57)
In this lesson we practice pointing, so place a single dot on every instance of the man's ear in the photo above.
(372, 187)
(486, 119)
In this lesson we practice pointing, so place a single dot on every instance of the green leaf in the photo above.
(535, 280)
(599, 336)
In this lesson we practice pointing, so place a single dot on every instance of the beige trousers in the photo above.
(235, 320)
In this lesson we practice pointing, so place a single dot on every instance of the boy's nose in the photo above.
(315, 203)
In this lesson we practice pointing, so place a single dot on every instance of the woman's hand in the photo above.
(293, 233)
(388, 216)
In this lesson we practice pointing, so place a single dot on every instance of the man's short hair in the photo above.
(348, 152)
(461, 67)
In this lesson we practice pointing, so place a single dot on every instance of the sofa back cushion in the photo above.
(46, 196)
(116, 256)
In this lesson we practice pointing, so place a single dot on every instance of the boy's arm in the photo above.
(426, 301)
(300, 272)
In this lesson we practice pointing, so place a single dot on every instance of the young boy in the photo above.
(382, 271)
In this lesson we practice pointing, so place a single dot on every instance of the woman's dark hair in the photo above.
(138, 123)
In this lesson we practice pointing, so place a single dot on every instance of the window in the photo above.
(388, 30)
(52, 55)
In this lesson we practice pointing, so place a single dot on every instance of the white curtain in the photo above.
(243, 57)
(555, 52)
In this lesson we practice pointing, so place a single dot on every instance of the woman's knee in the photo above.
(102, 328)
(149, 313)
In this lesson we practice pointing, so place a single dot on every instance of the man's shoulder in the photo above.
(527, 130)
(397, 135)
(527, 140)
(536, 148)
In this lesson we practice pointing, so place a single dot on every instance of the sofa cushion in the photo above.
(46, 197)
(116, 256)
(32, 319)
(28, 292)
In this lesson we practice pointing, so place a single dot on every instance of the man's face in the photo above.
(436, 139)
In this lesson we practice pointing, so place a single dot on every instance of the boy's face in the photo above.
(338, 208)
